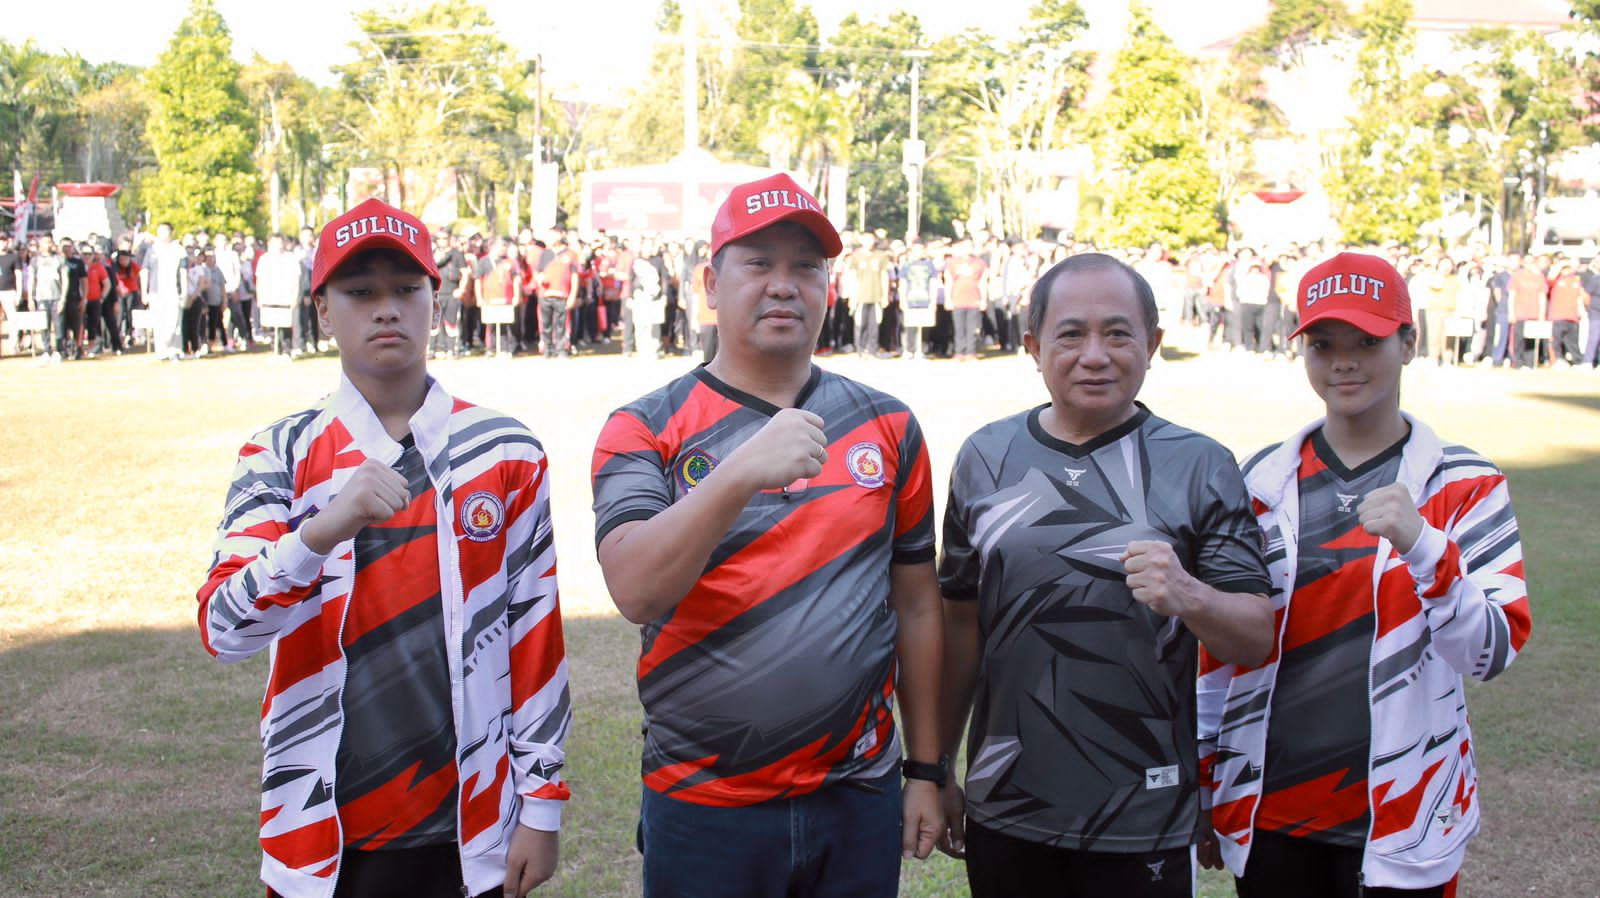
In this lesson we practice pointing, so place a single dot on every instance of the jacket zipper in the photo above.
(344, 679)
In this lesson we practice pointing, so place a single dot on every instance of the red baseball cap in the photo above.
(759, 204)
(372, 224)
(1358, 289)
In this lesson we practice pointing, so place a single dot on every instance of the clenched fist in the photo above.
(373, 494)
(1157, 577)
(790, 447)
(1388, 513)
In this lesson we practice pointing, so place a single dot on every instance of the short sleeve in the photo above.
(628, 474)
(959, 565)
(913, 499)
(1232, 551)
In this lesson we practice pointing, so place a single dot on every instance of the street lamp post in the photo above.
(915, 154)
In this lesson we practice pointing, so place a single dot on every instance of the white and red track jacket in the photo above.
(502, 626)
(1456, 605)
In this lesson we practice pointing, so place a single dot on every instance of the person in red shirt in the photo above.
(97, 292)
(498, 284)
(964, 284)
(1528, 295)
(558, 291)
(1567, 299)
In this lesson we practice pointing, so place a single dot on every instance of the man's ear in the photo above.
(709, 282)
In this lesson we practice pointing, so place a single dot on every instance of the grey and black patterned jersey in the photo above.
(1083, 725)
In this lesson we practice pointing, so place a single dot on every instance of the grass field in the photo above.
(128, 758)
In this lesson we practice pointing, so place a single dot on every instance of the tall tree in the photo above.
(292, 133)
(1385, 182)
(808, 125)
(1514, 99)
(428, 96)
(202, 130)
(1022, 96)
(1155, 182)
(39, 122)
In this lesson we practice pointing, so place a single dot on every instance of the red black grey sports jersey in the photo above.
(775, 674)
(1321, 733)
(395, 774)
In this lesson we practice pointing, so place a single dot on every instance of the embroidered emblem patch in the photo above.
(483, 516)
(864, 461)
(694, 467)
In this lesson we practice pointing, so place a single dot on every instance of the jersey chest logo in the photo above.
(864, 461)
(694, 467)
(483, 516)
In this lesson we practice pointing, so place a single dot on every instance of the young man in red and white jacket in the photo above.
(391, 546)
(1343, 764)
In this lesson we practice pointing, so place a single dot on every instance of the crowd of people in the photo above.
(561, 294)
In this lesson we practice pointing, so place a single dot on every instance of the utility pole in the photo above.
(538, 108)
(915, 154)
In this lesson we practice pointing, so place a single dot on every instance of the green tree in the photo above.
(1022, 95)
(202, 130)
(808, 125)
(1385, 181)
(428, 94)
(1155, 183)
(1513, 100)
(1290, 27)
(292, 129)
(40, 128)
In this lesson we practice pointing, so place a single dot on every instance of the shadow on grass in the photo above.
(1584, 401)
(136, 743)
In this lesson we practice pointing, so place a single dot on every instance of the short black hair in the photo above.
(363, 259)
(1039, 297)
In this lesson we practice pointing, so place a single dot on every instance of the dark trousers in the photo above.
(305, 333)
(1253, 334)
(1564, 342)
(528, 326)
(67, 327)
(1002, 866)
(471, 328)
(91, 320)
(1285, 865)
(193, 323)
(867, 329)
(243, 333)
(553, 318)
(214, 330)
(1591, 351)
(433, 871)
(842, 841)
(1525, 353)
(111, 322)
(967, 322)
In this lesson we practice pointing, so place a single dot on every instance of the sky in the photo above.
(591, 48)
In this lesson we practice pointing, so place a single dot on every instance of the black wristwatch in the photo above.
(938, 774)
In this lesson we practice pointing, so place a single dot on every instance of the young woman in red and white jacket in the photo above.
(1342, 766)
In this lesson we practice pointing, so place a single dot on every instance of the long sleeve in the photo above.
(541, 705)
(1469, 575)
(260, 570)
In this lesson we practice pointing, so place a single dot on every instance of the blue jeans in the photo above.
(842, 841)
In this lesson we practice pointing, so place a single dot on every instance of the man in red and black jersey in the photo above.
(770, 527)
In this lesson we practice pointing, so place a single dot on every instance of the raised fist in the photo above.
(790, 447)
